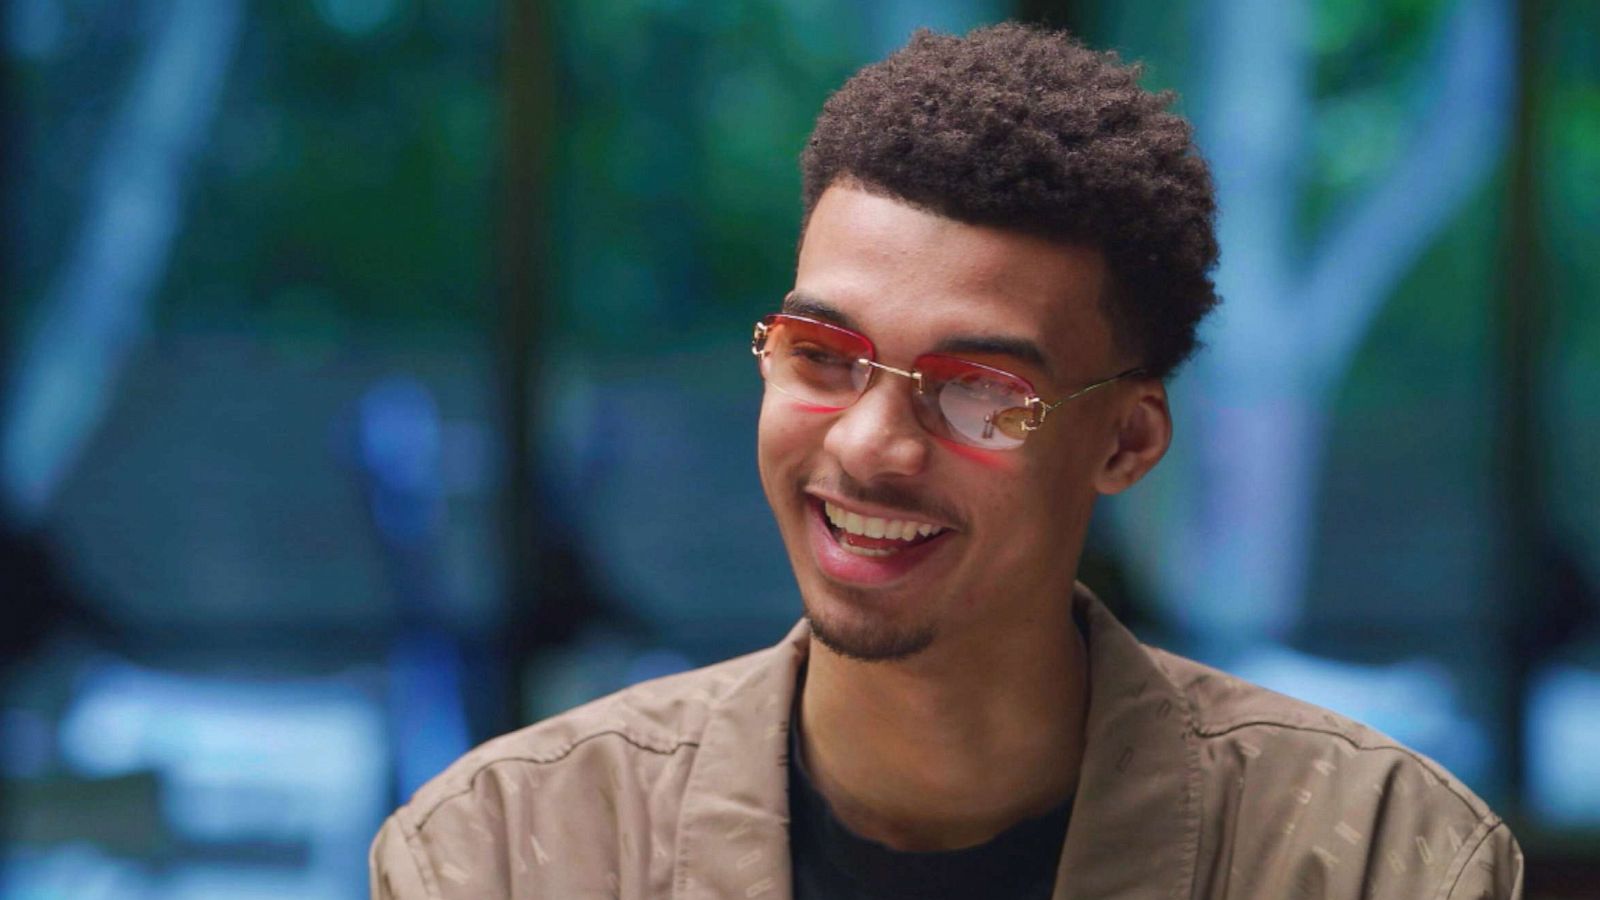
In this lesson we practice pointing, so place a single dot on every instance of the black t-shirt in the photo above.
(832, 863)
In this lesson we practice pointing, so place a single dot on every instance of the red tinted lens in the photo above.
(973, 403)
(815, 362)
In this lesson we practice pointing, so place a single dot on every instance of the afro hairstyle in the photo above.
(1023, 128)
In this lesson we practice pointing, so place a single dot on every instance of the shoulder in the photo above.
(1231, 715)
(658, 718)
(581, 784)
(1293, 791)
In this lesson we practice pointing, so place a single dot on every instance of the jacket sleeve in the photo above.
(393, 870)
(1493, 871)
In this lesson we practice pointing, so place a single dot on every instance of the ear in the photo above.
(1143, 433)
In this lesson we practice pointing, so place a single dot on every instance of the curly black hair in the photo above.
(1027, 129)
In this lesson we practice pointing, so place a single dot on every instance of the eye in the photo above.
(982, 389)
(984, 411)
(816, 354)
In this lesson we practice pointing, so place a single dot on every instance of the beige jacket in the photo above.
(1194, 785)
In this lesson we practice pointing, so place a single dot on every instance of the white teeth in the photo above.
(874, 527)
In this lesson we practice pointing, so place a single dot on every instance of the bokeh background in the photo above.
(374, 379)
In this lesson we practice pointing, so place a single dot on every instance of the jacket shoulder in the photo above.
(1223, 705)
(569, 804)
(659, 717)
(1291, 790)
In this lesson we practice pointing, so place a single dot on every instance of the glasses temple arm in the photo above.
(1044, 408)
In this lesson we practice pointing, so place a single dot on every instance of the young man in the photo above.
(1005, 251)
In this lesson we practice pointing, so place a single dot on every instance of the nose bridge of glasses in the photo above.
(913, 374)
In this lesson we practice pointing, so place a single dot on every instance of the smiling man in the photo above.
(1005, 252)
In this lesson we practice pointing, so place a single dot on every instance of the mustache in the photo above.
(887, 494)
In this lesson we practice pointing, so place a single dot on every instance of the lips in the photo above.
(853, 547)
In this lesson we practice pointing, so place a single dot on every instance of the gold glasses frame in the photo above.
(1037, 408)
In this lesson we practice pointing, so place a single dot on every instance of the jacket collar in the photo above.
(1135, 821)
(1135, 829)
(733, 827)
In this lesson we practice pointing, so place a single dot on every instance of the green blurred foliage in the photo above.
(1569, 174)
(678, 186)
(1159, 36)
(347, 180)
(1568, 204)
(1369, 70)
(1412, 437)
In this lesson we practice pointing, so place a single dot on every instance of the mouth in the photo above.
(855, 548)
(875, 537)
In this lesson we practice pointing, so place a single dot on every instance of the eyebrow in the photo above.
(1021, 349)
(798, 304)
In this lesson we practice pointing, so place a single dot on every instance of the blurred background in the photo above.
(374, 379)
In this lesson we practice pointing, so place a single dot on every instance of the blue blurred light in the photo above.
(425, 706)
(1563, 742)
(657, 663)
(1416, 702)
(28, 745)
(357, 18)
(34, 28)
(77, 870)
(298, 763)
(400, 441)
(93, 314)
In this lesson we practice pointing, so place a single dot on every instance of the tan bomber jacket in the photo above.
(1194, 785)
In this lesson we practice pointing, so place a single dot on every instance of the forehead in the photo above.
(912, 279)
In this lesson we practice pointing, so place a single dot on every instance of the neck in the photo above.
(950, 748)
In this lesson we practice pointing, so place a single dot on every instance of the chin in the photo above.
(855, 631)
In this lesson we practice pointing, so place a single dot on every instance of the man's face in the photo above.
(1012, 521)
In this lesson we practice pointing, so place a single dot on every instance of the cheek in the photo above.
(787, 430)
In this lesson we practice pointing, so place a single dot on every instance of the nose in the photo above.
(879, 434)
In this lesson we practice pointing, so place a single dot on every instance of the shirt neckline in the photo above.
(997, 867)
